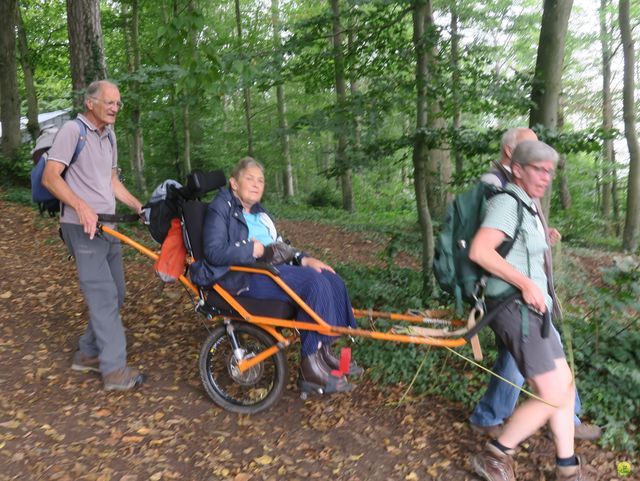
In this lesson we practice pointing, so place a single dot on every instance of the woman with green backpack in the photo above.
(523, 324)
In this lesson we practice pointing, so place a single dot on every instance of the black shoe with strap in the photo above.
(316, 377)
(333, 362)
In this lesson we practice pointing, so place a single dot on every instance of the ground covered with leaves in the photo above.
(56, 424)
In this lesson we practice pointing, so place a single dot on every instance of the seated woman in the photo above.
(520, 323)
(236, 230)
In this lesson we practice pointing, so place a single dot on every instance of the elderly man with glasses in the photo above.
(87, 187)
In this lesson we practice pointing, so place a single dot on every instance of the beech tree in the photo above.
(86, 46)
(27, 64)
(246, 89)
(131, 12)
(421, 9)
(545, 93)
(608, 205)
(282, 106)
(9, 101)
(632, 220)
(341, 97)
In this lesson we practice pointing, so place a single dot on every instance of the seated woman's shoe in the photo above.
(315, 377)
(333, 362)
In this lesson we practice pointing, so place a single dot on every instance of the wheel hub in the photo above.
(247, 378)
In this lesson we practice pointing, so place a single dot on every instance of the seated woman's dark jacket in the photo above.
(225, 242)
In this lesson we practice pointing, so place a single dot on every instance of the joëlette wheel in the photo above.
(252, 391)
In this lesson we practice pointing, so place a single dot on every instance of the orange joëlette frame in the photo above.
(270, 324)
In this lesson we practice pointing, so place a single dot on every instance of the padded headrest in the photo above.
(199, 182)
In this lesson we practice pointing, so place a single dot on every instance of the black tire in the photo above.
(254, 390)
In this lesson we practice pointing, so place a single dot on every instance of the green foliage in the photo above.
(601, 325)
(19, 195)
(324, 196)
(17, 171)
(390, 287)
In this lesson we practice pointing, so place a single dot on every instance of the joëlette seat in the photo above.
(193, 215)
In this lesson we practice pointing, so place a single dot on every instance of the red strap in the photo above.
(345, 362)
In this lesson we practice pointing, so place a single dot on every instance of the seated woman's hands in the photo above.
(258, 248)
(316, 264)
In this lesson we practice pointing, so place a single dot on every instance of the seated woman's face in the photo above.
(249, 186)
(535, 178)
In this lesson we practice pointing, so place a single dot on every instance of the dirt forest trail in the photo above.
(56, 424)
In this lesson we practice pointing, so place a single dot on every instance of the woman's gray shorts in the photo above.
(534, 354)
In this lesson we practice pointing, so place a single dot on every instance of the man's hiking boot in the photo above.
(331, 360)
(122, 379)
(579, 472)
(586, 431)
(84, 363)
(492, 431)
(583, 431)
(494, 465)
(315, 377)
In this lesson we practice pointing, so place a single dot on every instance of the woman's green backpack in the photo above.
(454, 271)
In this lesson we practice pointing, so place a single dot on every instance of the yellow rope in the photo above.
(528, 393)
(413, 380)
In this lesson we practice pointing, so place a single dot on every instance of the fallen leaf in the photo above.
(5, 295)
(10, 424)
(133, 439)
(264, 460)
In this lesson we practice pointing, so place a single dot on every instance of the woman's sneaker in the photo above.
(494, 465)
(122, 379)
(84, 363)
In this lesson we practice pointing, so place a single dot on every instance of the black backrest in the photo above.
(199, 183)
(193, 213)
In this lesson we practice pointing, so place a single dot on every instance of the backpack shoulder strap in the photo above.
(507, 245)
(82, 140)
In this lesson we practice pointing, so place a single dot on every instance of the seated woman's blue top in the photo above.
(257, 229)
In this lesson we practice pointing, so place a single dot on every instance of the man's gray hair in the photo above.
(244, 164)
(533, 151)
(95, 87)
(512, 137)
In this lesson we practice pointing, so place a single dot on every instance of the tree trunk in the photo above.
(341, 96)
(632, 220)
(354, 89)
(563, 179)
(26, 61)
(545, 93)
(246, 91)
(9, 100)
(86, 47)
(455, 82)
(420, 150)
(438, 160)
(282, 107)
(137, 140)
(606, 204)
(186, 120)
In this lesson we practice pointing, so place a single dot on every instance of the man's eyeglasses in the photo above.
(110, 103)
(542, 171)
